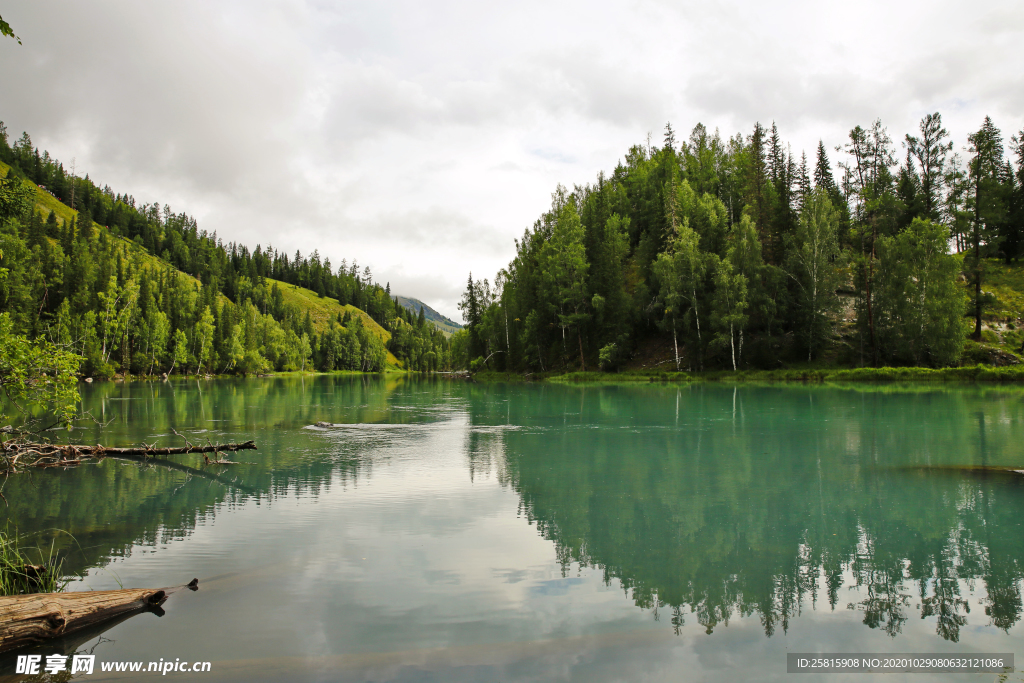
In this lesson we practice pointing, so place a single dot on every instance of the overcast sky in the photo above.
(420, 138)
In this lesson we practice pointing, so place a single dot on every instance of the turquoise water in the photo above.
(448, 531)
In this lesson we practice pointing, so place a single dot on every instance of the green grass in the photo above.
(323, 309)
(19, 574)
(977, 373)
(1007, 283)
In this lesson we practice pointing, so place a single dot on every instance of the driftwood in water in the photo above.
(54, 455)
(29, 619)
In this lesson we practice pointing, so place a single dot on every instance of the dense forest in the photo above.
(737, 253)
(138, 288)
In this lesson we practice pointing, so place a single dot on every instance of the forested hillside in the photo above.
(141, 289)
(737, 253)
(439, 321)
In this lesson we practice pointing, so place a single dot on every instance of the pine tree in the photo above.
(470, 307)
(803, 183)
(52, 229)
(823, 171)
(1014, 240)
(984, 167)
(757, 185)
(670, 137)
(930, 151)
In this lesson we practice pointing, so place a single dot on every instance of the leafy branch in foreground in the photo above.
(6, 30)
(37, 374)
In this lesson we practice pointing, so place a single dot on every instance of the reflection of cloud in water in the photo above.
(616, 656)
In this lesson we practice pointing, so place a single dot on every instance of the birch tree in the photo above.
(920, 305)
(680, 272)
(815, 266)
(729, 305)
(567, 267)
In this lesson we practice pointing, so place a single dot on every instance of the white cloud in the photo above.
(421, 138)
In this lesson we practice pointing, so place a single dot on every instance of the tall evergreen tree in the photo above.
(803, 181)
(986, 146)
(471, 313)
(757, 186)
(823, 171)
(931, 150)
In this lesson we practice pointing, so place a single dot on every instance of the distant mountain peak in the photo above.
(441, 322)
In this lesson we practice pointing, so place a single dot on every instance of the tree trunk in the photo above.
(814, 313)
(579, 336)
(871, 315)
(50, 455)
(34, 618)
(977, 257)
(732, 346)
(508, 344)
(696, 317)
(675, 345)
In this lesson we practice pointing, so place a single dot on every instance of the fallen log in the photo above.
(25, 454)
(35, 618)
(100, 449)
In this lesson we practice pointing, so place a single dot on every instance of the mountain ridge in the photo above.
(439, 320)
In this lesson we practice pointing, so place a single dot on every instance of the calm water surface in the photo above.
(447, 531)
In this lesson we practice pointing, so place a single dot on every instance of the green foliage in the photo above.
(728, 306)
(680, 272)
(37, 374)
(15, 197)
(565, 267)
(608, 357)
(732, 254)
(920, 306)
(815, 267)
(986, 204)
(6, 30)
(86, 279)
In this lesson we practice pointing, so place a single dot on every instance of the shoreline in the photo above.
(884, 375)
(963, 375)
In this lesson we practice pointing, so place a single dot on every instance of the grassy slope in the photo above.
(46, 202)
(321, 309)
(1002, 323)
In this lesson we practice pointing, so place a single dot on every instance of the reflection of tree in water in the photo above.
(762, 507)
(110, 506)
(705, 504)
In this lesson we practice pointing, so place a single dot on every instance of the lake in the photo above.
(451, 531)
